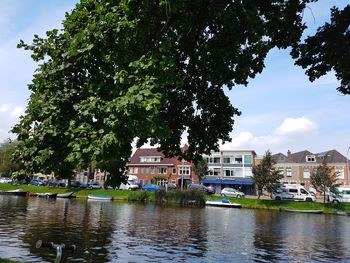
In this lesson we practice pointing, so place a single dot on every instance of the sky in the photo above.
(281, 109)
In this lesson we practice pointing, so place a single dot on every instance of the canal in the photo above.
(129, 232)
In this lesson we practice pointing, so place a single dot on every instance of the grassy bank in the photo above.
(8, 261)
(177, 197)
(117, 194)
(281, 205)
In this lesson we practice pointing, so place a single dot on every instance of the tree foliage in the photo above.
(146, 70)
(328, 50)
(200, 168)
(265, 175)
(323, 179)
(7, 164)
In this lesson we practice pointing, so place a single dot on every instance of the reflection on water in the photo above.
(123, 232)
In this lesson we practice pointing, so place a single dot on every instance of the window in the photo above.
(306, 173)
(248, 159)
(226, 160)
(293, 190)
(303, 192)
(289, 172)
(149, 159)
(228, 172)
(238, 172)
(281, 170)
(310, 158)
(339, 172)
(216, 159)
(153, 170)
(174, 170)
(162, 170)
(215, 171)
(238, 159)
(184, 170)
(142, 170)
(147, 170)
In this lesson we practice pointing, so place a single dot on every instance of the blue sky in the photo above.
(281, 109)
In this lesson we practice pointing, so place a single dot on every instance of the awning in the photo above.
(233, 182)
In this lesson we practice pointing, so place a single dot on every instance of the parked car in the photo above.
(6, 180)
(94, 185)
(211, 189)
(201, 188)
(37, 182)
(172, 186)
(76, 184)
(232, 192)
(151, 187)
(343, 195)
(129, 186)
(56, 183)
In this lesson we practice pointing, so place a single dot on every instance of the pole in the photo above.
(347, 164)
(182, 175)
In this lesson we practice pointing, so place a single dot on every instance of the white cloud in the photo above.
(296, 126)
(291, 132)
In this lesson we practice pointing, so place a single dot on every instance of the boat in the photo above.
(66, 195)
(343, 213)
(100, 197)
(224, 202)
(17, 192)
(47, 195)
(304, 211)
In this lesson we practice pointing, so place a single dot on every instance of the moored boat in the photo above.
(66, 195)
(17, 192)
(304, 211)
(224, 202)
(47, 195)
(100, 197)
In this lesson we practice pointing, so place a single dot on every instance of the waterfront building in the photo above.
(151, 166)
(297, 168)
(230, 169)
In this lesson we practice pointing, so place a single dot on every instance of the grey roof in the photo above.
(333, 156)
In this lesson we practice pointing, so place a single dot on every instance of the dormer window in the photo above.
(310, 158)
(150, 159)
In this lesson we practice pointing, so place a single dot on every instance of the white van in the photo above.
(131, 184)
(342, 197)
(295, 192)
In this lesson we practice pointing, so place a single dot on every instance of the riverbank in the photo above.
(251, 203)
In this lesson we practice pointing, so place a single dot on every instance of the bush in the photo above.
(138, 196)
(186, 197)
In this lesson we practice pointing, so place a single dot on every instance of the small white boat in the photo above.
(100, 197)
(47, 195)
(304, 211)
(66, 195)
(224, 202)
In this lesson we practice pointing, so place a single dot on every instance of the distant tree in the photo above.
(265, 175)
(7, 164)
(324, 179)
(200, 168)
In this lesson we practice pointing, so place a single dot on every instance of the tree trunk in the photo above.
(324, 197)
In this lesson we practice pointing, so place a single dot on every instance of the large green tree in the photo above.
(147, 70)
(265, 175)
(323, 179)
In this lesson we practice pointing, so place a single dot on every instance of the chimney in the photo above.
(289, 155)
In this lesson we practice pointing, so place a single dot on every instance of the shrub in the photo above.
(138, 196)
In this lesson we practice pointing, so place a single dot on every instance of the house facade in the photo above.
(151, 166)
(297, 168)
(230, 169)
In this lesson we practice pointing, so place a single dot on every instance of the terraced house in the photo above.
(298, 167)
(230, 169)
(151, 166)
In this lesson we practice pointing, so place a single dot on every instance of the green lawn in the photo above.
(117, 194)
(281, 205)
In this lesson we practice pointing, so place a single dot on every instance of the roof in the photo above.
(151, 152)
(333, 156)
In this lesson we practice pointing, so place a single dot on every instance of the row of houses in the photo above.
(226, 168)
